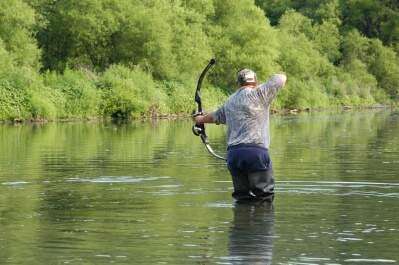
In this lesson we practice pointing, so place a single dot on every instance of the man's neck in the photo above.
(248, 86)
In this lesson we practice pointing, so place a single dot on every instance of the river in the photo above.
(147, 192)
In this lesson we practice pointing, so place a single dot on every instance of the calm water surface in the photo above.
(148, 193)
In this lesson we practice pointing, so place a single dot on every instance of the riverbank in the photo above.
(131, 93)
(182, 116)
(125, 93)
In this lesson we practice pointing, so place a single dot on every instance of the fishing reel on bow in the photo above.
(197, 129)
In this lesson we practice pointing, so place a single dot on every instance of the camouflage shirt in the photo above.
(246, 113)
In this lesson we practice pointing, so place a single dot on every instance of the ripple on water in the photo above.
(219, 205)
(313, 259)
(14, 183)
(116, 179)
(341, 188)
(373, 261)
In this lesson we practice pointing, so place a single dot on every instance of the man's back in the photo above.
(246, 113)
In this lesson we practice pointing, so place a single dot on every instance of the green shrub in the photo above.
(299, 94)
(75, 93)
(130, 92)
(13, 102)
(45, 103)
(180, 97)
(213, 97)
(18, 101)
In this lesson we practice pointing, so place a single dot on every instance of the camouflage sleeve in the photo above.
(219, 116)
(268, 90)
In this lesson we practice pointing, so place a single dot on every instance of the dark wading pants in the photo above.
(251, 170)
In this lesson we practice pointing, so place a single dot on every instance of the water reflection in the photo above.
(251, 236)
(149, 193)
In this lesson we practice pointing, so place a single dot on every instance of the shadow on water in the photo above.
(251, 235)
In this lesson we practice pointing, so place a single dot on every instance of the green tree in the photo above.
(384, 65)
(17, 23)
(241, 37)
(164, 38)
(161, 36)
(329, 11)
(381, 61)
(78, 33)
(327, 40)
(373, 18)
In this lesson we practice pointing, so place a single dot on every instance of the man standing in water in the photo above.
(246, 114)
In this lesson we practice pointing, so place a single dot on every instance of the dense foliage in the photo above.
(92, 58)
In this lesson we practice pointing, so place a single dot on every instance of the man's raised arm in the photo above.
(269, 89)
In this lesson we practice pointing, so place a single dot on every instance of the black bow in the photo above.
(199, 129)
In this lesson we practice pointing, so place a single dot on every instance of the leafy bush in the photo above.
(130, 93)
(13, 102)
(77, 96)
(302, 95)
(23, 95)
(181, 97)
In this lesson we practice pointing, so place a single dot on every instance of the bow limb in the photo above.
(199, 84)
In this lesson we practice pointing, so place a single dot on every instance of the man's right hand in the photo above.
(201, 119)
(198, 119)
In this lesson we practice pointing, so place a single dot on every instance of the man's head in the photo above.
(246, 77)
